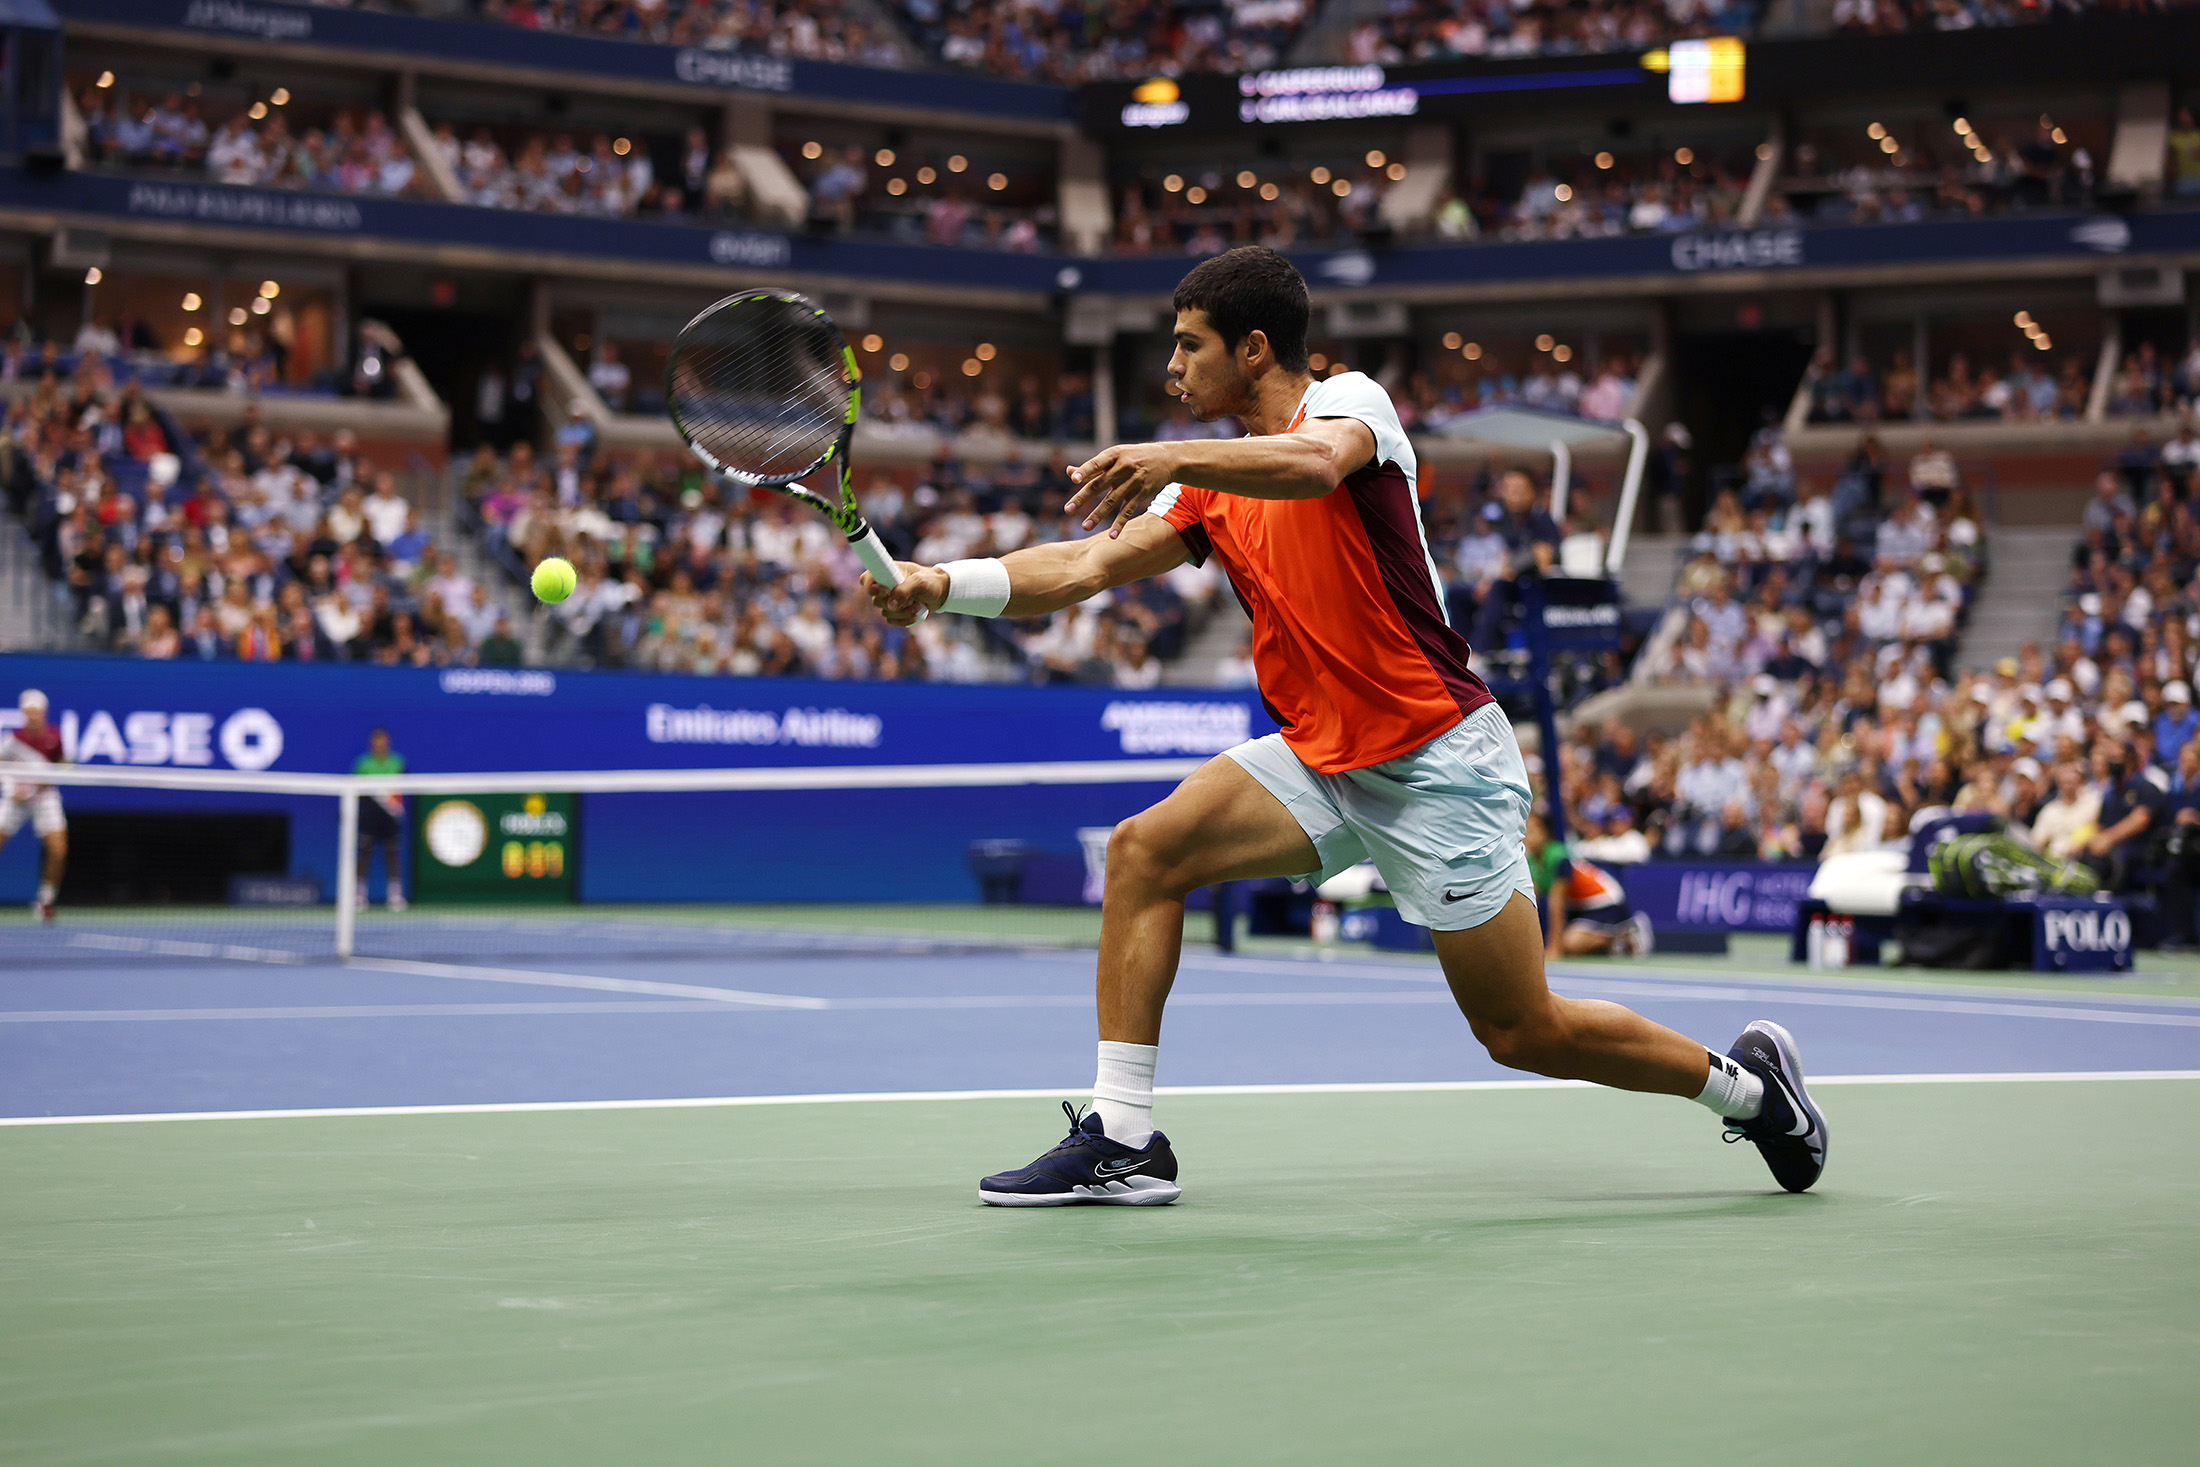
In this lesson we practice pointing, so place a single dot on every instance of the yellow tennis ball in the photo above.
(554, 579)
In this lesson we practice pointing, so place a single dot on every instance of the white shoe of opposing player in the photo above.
(397, 900)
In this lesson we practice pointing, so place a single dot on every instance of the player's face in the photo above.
(34, 719)
(1206, 374)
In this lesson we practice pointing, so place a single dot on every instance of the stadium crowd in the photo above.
(356, 152)
(550, 173)
(1070, 41)
(2033, 389)
(1837, 716)
(1894, 17)
(810, 29)
(238, 544)
(1438, 30)
(677, 573)
(1679, 194)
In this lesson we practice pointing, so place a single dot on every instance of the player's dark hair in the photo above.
(1252, 288)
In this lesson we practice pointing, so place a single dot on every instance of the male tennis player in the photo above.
(35, 741)
(1391, 748)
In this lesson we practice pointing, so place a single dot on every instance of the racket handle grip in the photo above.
(871, 550)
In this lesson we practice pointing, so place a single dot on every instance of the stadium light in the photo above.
(191, 301)
(986, 351)
(884, 157)
(106, 80)
(1604, 160)
(280, 96)
(92, 276)
(1452, 341)
(1375, 158)
(957, 163)
(927, 174)
(193, 337)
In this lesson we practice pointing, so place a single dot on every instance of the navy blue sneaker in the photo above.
(1088, 1167)
(1790, 1132)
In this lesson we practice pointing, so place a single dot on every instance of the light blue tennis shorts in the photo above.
(1446, 824)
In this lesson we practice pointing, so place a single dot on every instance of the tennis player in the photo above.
(35, 741)
(1391, 747)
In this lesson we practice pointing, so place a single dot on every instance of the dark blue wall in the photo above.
(877, 845)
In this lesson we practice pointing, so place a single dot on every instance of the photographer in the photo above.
(2132, 805)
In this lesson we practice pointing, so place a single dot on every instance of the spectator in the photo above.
(2067, 824)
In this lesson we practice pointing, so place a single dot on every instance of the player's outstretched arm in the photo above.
(1116, 484)
(1041, 578)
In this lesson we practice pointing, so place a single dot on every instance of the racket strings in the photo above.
(760, 384)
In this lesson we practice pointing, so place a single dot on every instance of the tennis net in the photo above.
(170, 866)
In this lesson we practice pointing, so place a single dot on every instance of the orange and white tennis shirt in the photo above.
(1356, 660)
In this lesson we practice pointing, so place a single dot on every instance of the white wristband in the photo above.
(976, 587)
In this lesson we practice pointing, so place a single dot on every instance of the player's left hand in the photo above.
(1116, 484)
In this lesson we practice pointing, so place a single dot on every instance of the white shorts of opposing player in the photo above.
(42, 809)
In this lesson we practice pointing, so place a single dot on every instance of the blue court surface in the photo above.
(546, 1191)
(105, 1025)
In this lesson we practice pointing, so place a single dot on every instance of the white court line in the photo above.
(583, 980)
(356, 1011)
(733, 1101)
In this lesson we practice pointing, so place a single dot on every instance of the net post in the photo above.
(347, 867)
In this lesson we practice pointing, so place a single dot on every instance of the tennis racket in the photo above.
(764, 392)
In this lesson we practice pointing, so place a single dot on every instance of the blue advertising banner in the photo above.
(536, 51)
(341, 215)
(747, 846)
(2008, 238)
(1703, 895)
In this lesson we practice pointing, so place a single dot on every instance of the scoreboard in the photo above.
(495, 848)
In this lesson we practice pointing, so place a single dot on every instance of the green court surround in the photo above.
(1994, 1273)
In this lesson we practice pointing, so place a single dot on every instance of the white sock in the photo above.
(1732, 1092)
(1122, 1093)
(45, 892)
